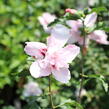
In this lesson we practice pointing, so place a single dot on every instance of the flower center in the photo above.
(43, 51)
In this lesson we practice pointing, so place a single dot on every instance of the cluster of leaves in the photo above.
(18, 24)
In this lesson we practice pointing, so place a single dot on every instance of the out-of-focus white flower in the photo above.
(17, 104)
(92, 2)
(83, 92)
(31, 89)
(46, 19)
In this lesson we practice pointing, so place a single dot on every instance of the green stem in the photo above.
(82, 64)
(100, 2)
(50, 93)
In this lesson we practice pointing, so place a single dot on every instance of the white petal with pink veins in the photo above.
(99, 36)
(53, 44)
(46, 19)
(74, 24)
(69, 53)
(61, 33)
(36, 49)
(90, 19)
(36, 71)
(62, 75)
(75, 32)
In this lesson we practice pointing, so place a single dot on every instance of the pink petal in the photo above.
(56, 61)
(99, 36)
(54, 44)
(36, 71)
(75, 32)
(36, 49)
(62, 75)
(68, 53)
(61, 33)
(44, 24)
(73, 39)
(90, 19)
(74, 24)
(46, 18)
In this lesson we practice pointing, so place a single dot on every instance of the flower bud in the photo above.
(71, 11)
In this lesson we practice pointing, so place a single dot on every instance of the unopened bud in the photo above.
(71, 11)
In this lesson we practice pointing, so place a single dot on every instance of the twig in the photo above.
(50, 93)
(82, 63)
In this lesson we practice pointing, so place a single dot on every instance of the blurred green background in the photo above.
(19, 24)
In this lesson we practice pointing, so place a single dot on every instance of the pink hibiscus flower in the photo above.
(51, 59)
(74, 34)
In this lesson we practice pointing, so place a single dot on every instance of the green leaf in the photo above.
(106, 29)
(54, 22)
(30, 59)
(99, 9)
(24, 74)
(8, 107)
(75, 16)
(59, 21)
(105, 85)
(97, 76)
(70, 102)
(101, 79)
(89, 30)
(32, 106)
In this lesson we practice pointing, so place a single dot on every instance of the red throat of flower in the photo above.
(43, 52)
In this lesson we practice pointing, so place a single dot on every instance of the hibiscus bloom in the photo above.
(74, 34)
(46, 19)
(51, 59)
